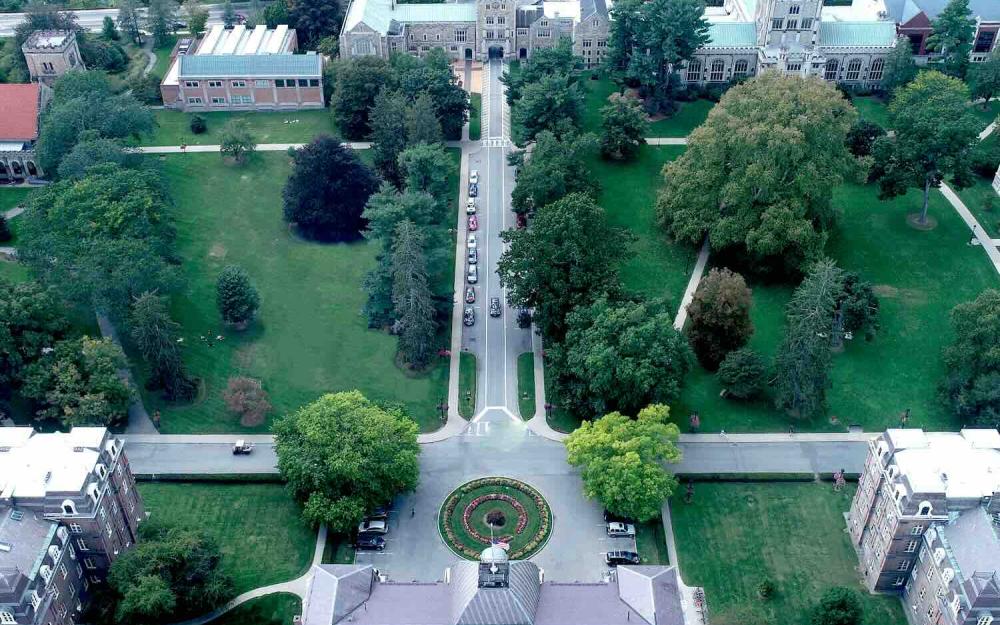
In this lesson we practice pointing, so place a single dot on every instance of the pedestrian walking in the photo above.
(695, 422)
(904, 418)
(413, 512)
(838, 481)
(689, 493)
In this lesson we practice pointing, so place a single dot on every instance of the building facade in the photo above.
(68, 509)
(240, 69)
(915, 19)
(925, 521)
(20, 107)
(50, 54)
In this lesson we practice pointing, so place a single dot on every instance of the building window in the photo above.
(794, 67)
(741, 68)
(6, 618)
(239, 83)
(544, 33)
(490, 34)
(694, 71)
(984, 42)
(68, 507)
(63, 571)
(215, 84)
(776, 23)
(236, 99)
(899, 581)
(262, 83)
(903, 566)
(853, 73)
(425, 36)
(876, 71)
(792, 25)
(501, 20)
(985, 620)
(216, 102)
(916, 530)
(587, 43)
(717, 71)
(489, 19)
(191, 83)
(89, 563)
(794, 9)
(460, 35)
(602, 43)
(82, 546)
(911, 546)
(807, 23)
(194, 100)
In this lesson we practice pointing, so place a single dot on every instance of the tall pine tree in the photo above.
(411, 296)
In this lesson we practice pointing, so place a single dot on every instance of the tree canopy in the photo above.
(972, 361)
(236, 141)
(555, 60)
(236, 296)
(31, 320)
(624, 127)
(759, 174)
(556, 168)
(343, 455)
(720, 316)
(984, 78)
(155, 334)
(900, 68)
(313, 20)
(411, 295)
(952, 34)
(838, 606)
(554, 103)
(622, 460)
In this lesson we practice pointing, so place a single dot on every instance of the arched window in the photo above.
(741, 68)
(15, 167)
(32, 170)
(69, 507)
(830, 73)
(947, 575)
(853, 70)
(876, 71)
(717, 71)
(100, 471)
(925, 508)
(92, 491)
(694, 71)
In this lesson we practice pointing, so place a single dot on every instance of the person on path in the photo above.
(695, 422)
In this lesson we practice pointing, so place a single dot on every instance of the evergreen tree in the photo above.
(425, 168)
(108, 30)
(900, 68)
(411, 296)
(197, 16)
(985, 78)
(742, 373)
(228, 14)
(236, 296)
(276, 13)
(129, 20)
(155, 334)
(388, 124)
(358, 82)
(953, 33)
(160, 18)
(422, 125)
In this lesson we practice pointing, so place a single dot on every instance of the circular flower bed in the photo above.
(516, 513)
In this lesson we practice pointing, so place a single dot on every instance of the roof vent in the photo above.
(48, 476)
(16, 515)
(78, 449)
(5, 547)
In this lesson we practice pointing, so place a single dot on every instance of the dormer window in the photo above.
(92, 492)
(46, 572)
(925, 508)
(947, 575)
(6, 618)
(68, 507)
(101, 471)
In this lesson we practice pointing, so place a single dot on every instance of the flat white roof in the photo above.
(562, 9)
(962, 465)
(857, 11)
(35, 464)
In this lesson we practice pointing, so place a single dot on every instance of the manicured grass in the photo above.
(310, 337)
(975, 198)
(989, 114)
(162, 53)
(174, 127)
(690, 116)
(872, 108)
(11, 197)
(734, 536)
(650, 542)
(467, 384)
(276, 609)
(526, 385)
(475, 116)
(258, 527)
(338, 549)
(559, 419)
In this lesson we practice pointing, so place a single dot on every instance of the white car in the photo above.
(616, 528)
(473, 276)
(471, 243)
(470, 206)
(373, 526)
(474, 176)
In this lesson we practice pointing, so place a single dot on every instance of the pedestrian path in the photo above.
(692, 286)
(978, 232)
(261, 147)
(13, 212)
(666, 140)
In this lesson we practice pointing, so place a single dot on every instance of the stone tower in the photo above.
(787, 33)
(496, 24)
(50, 54)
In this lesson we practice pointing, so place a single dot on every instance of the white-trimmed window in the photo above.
(544, 33)
(489, 19)
(741, 68)
(63, 571)
(217, 101)
(807, 23)
(694, 71)
(239, 83)
(911, 546)
(777, 23)
(363, 47)
(899, 581)
(35, 599)
(191, 84)
(985, 620)
(89, 564)
(68, 507)
(215, 84)
(904, 565)
(236, 99)
(6, 618)
(853, 73)
(794, 9)
(194, 100)
(916, 530)
(792, 25)
(460, 35)
(717, 71)
(262, 83)
(82, 546)
(794, 67)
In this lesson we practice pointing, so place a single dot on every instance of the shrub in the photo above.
(5, 233)
(247, 398)
(524, 318)
(986, 158)
(862, 136)
(742, 373)
(198, 124)
(236, 296)
(837, 606)
(765, 589)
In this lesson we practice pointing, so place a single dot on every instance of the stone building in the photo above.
(50, 54)
(68, 509)
(925, 521)
(20, 107)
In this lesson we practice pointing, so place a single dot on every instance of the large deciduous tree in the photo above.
(953, 32)
(555, 168)
(567, 258)
(900, 67)
(342, 455)
(619, 356)
(424, 168)
(984, 78)
(236, 141)
(554, 103)
(313, 20)
(412, 299)
(758, 175)
(358, 81)
(720, 316)
(623, 127)
(160, 18)
(556, 60)
(935, 133)
(838, 606)
(327, 191)
(31, 321)
(972, 361)
(623, 461)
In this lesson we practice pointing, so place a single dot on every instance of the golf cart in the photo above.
(242, 447)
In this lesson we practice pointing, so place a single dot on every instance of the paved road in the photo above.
(93, 19)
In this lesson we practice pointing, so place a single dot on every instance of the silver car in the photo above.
(473, 276)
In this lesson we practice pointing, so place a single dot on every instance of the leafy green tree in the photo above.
(342, 455)
(236, 296)
(327, 191)
(972, 383)
(984, 78)
(554, 103)
(742, 373)
(130, 20)
(432, 75)
(236, 141)
(623, 37)
(556, 168)
(77, 383)
(857, 309)
(313, 20)
(172, 573)
(197, 16)
(425, 167)
(31, 321)
(411, 296)
(862, 136)
(624, 127)
(623, 459)
(556, 60)
(935, 133)
(102, 54)
(228, 14)
(89, 153)
(802, 364)
(329, 45)
(160, 18)
(900, 68)
(146, 89)
(619, 356)
(155, 334)
(358, 82)
(388, 123)
(758, 175)
(953, 33)
(837, 606)
(568, 257)
(422, 125)
(276, 13)
(108, 29)
(720, 316)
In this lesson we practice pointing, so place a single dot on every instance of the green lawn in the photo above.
(276, 609)
(258, 527)
(310, 337)
(338, 549)
(476, 116)
(650, 542)
(467, 384)
(12, 271)
(174, 127)
(976, 198)
(162, 53)
(11, 197)
(876, 109)
(526, 385)
(734, 536)
(690, 116)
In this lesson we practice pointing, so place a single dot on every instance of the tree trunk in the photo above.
(927, 197)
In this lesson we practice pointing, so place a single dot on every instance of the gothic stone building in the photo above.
(20, 107)
(50, 54)
(68, 509)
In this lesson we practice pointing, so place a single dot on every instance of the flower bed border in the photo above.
(451, 503)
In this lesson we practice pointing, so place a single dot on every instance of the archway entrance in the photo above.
(522, 53)
(496, 52)
(468, 54)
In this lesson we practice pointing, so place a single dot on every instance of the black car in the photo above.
(380, 513)
(473, 190)
(371, 542)
(614, 518)
(614, 558)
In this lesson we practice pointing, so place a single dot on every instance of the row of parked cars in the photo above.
(372, 530)
(620, 527)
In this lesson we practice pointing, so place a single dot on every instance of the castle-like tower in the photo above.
(50, 54)
(788, 34)
(496, 21)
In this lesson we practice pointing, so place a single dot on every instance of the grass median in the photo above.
(526, 385)
(467, 385)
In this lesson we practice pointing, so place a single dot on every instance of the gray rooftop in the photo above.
(27, 537)
(250, 66)
(904, 10)
(974, 542)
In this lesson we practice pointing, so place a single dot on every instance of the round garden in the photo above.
(516, 513)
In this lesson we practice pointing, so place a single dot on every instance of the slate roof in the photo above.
(974, 542)
(513, 605)
(336, 590)
(903, 11)
(19, 112)
(28, 538)
(857, 34)
(378, 14)
(732, 35)
(590, 7)
(250, 66)
(653, 592)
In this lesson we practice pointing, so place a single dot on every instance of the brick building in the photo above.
(240, 69)
(914, 18)
(925, 521)
(50, 54)
(20, 107)
(68, 509)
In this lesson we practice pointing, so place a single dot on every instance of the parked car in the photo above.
(380, 513)
(473, 276)
(241, 447)
(470, 295)
(473, 256)
(614, 558)
(470, 206)
(471, 242)
(495, 309)
(474, 176)
(370, 542)
(469, 317)
(373, 526)
(473, 190)
(609, 517)
(473, 222)
(617, 528)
